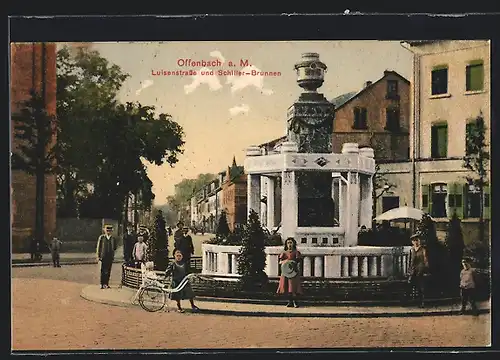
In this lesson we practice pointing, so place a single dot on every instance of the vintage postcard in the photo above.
(250, 194)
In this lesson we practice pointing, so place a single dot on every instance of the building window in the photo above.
(360, 119)
(469, 129)
(439, 192)
(392, 119)
(439, 80)
(390, 202)
(439, 141)
(474, 76)
(392, 89)
(473, 207)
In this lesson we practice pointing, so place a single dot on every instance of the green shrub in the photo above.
(454, 243)
(252, 257)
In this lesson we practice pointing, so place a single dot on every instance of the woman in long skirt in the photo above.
(290, 286)
(179, 270)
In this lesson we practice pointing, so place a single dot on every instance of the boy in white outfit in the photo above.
(139, 251)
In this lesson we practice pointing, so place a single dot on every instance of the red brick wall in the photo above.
(22, 80)
(391, 145)
(235, 201)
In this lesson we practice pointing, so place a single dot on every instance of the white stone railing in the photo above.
(318, 261)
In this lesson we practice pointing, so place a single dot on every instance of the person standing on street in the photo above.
(468, 287)
(139, 252)
(185, 245)
(179, 231)
(55, 248)
(106, 246)
(129, 240)
(419, 267)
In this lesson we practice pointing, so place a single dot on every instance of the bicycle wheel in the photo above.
(152, 298)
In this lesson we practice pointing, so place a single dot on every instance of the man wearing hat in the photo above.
(185, 245)
(129, 240)
(179, 231)
(106, 246)
(419, 267)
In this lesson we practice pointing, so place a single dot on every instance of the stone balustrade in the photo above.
(320, 236)
(318, 261)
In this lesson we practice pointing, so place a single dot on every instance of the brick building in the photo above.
(32, 66)
(377, 116)
(234, 195)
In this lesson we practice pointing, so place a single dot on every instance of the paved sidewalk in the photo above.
(123, 296)
(20, 260)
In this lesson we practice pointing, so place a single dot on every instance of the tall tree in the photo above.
(105, 144)
(477, 161)
(222, 230)
(185, 189)
(381, 184)
(87, 87)
(36, 153)
(159, 242)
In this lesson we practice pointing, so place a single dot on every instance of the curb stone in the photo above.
(74, 262)
(87, 294)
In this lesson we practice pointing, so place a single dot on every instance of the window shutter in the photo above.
(364, 118)
(462, 205)
(458, 190)
(476, 77)
(486, 202)
(429, 196)
(451, 190)
(445, 141)
(425, 199)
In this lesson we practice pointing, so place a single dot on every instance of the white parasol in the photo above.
(404, 213)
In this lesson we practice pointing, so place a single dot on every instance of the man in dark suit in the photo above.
(106, 246)
(179, 231)
(185, 245)
(129, 240)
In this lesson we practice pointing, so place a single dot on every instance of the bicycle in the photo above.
(154, 296)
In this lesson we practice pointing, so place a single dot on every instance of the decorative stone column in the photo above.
(253, 184)
(289, 198)
(366, 206)
(272, 265)
(332, 266)
(342, 203)
(310, 126)
(318, 266)
(307, 266)
(234, 263)
(263, 205)
(353, 194)
(270, 203)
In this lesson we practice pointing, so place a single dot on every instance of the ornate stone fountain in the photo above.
(320, 198)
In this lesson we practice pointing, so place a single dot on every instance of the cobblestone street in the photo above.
(49, 314)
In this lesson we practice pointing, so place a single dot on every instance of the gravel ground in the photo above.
(49, 314)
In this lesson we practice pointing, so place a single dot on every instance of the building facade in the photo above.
(234, 196)
(377, 116)
(33, 66)
(451, 88)
(225, 193)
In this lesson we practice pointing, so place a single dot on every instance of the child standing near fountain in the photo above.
(290, 275)
(179, 270)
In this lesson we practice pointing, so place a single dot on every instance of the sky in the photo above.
(223, 115)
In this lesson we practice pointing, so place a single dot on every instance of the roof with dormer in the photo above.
(348, 97)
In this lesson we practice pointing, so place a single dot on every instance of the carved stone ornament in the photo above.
(321, 161)
(299, 161)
